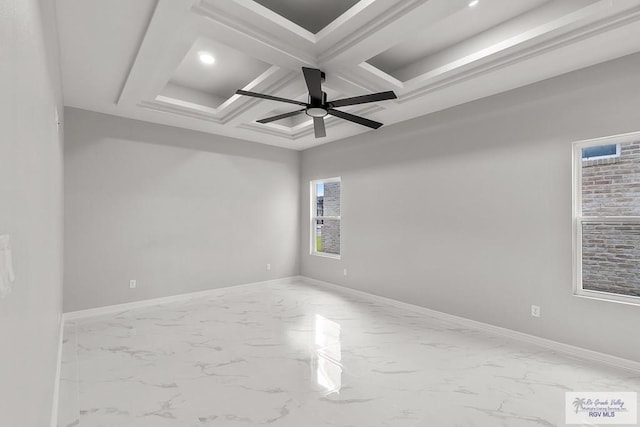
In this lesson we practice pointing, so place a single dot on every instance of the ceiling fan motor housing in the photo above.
(317, 109)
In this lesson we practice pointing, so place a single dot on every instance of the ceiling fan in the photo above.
(318, 106)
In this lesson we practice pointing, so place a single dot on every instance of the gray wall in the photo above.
(30, 209)
(177, 210)
(468, 211)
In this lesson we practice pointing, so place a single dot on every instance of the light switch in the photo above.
(7, 277)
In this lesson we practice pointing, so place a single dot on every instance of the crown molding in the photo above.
(166, 107)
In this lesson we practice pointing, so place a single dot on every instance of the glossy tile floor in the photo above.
(302, 356)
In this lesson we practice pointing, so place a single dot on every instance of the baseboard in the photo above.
(570, 350)
(56, 379)
(109, 309)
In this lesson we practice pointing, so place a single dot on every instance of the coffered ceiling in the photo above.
(141, 59)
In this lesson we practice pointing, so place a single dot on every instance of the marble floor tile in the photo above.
(301, 356)
(68, 410)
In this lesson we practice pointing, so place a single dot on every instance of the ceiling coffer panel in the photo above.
(479, 28)
(312, 15)
(211, 84)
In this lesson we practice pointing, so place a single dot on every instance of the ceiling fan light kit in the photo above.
(316, 112)
(318, 107)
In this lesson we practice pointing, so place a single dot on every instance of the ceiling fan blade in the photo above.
(313, 78)
(356, 119)
(380, 96)
(272, 98)
(318, 127)
(280, 116)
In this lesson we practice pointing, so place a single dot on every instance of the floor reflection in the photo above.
(259, 356)
(329, 352)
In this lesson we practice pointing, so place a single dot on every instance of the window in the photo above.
(600, 152)
(325, 217)
(607, 218)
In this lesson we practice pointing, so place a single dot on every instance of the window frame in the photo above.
(314, 217)
(579, 219)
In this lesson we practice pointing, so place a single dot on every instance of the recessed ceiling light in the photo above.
(206, 58)
(473, 3)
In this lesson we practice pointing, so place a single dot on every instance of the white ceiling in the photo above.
(139, 59)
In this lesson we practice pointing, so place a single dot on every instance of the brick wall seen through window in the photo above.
(610, 187)
(326, 217)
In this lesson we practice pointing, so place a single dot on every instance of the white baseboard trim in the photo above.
(570, 350)
(117, 308)
(56, 380)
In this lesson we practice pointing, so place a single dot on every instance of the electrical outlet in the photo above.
(132, 284)
(345, 271)
(268, 267)
(535, 310)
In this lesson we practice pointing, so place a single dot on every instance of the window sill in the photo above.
(325, 255)
(607, 297)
